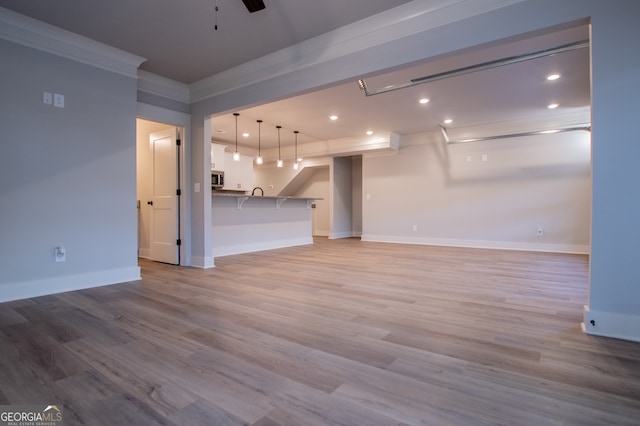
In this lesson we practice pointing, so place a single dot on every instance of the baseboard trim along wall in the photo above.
(496, 245)
(202, 262)
(47, 286)
(228, 250)
(611, 324)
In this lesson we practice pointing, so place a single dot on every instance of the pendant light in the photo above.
(280, 163)
(295, 161)
(259, 158)
(236, 154)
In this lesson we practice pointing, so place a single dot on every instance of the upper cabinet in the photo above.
(217, 157)
(238, 174)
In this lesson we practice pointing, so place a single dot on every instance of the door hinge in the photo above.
(178, 142)
(179, 242)
(178, 192)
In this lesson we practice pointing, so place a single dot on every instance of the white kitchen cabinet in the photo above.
(218, 157)
(238, 174)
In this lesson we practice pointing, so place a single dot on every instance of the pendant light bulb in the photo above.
(280, 162)
(236, 154)
(259, 158)
(295, 166)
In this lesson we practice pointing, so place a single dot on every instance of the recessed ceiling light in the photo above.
(553, 106)
(245, 134)
(333, 117)
(553, 76)
(448, 121)
(424, 101)
(369, 132)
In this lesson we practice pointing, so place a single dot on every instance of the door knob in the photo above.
(150, 203)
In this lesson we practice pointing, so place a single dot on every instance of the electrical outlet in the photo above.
(415, 228)
(47, 98)
(60, 254)
(539, 231)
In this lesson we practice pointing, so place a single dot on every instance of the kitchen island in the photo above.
(245, 223)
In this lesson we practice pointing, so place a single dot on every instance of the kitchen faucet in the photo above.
(254, 191)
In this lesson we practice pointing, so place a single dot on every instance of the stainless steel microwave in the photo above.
(217, 179)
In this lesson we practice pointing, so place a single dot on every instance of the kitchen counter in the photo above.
(242, 197)
(244, 223)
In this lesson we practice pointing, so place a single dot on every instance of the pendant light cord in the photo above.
(236, 115)
(279, 127)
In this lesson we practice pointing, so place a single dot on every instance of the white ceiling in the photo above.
(179, 41)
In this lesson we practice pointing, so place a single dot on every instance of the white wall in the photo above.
(71, 172)
(452, 197)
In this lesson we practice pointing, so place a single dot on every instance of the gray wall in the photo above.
(68, 174)
(615, 276)
(341, 198)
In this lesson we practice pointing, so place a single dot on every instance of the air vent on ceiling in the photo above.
(253, 5)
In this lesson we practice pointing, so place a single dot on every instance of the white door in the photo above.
(164, 223)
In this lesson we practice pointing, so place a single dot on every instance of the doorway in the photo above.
(158, 161)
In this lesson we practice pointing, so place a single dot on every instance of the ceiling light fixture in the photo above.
(369, 132)
(333, 117)
(553, 76)
(259, 158)
(424, 101)
(448, 121)
(553, 106)
(295, 163)
(236, 154)
(280, 163)
(245, 135)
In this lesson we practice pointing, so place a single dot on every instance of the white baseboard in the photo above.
(202, 262)
(47, 286)
(144, 253)
(260, 246)
(499, 245)
(611, 324)
(338, 235)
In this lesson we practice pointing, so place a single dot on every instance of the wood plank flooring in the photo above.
(341, 332)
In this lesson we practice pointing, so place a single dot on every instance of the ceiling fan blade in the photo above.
(253, 5)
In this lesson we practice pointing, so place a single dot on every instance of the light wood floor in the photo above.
(342, 332)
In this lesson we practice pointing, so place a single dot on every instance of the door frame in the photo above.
(183, 122)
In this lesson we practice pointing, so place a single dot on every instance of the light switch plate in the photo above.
(47, 98)
(58, 100)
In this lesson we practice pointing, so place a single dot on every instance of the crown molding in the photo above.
(412, 18)
(36, 34)
(162, 86)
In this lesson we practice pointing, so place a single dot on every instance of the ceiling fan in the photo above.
(253, 5)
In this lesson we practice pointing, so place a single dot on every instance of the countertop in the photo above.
(240, 194)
